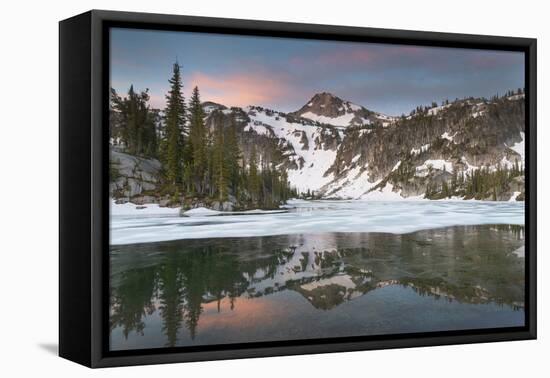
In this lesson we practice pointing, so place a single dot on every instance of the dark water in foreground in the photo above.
(233, 290)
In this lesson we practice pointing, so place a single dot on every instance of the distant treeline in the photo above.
(485, 183)
(423, 109)
(197, 162)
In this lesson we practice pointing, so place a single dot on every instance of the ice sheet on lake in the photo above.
(131, 209)
(317, 217)
(204, 212)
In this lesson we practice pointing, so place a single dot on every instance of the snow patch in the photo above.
(469, 168)
(385, 117)
(505, 163)
(519, 147)
(437, 109)
(354, 107)
(447, 136)
(205, 212)
(150, 209)
(340, 121)
(352, 184)
(520, 252)
(417, 151)
(439, 164)
(478, 113)
(340, 280)
(201, 212)
(396, 166)
(514, 197)
(516, 97)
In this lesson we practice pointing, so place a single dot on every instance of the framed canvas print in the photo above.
(234, 188)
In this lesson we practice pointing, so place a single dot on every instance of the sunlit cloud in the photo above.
(241, 89)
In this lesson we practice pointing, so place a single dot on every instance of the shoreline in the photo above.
(350, 233)
(131, 208)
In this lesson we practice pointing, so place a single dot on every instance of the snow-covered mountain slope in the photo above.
(309, 149)
(341, 150)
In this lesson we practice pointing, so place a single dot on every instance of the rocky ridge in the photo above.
(333, 148)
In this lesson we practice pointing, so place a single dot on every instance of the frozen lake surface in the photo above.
(311, 217)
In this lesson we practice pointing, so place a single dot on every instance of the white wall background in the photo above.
(29, 186)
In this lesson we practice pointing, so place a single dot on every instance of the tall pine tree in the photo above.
(253, 177)
(174, 114)
(232, 156)
(219, 164)
(197, 143)
(133, 123)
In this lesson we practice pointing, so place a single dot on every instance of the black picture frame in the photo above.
(83, 182)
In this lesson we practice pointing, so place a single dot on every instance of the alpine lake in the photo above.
(316, 281)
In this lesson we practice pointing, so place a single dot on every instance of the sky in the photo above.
(283, 74)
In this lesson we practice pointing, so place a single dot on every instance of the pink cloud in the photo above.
(241, 88)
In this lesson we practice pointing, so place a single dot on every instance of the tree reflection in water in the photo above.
(177, 279)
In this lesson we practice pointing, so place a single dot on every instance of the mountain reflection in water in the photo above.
(227, 290)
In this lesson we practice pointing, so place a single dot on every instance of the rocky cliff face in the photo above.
(430, 148)
(131, 176)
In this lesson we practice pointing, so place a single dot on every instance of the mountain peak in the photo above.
(326, 104)
(325, 107)
(324, 100)
(325, 96)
